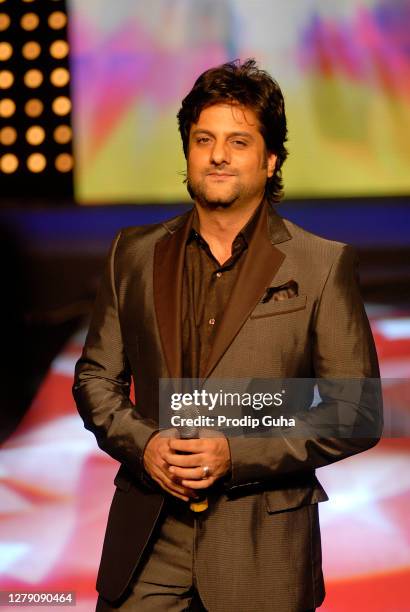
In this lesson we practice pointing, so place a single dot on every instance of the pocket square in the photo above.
(281, 292)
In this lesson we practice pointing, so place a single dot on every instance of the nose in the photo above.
(219, 153)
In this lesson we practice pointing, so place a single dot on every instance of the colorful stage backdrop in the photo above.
(344, 68)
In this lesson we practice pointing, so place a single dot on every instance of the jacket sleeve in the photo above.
(343, 351)
(102, 381)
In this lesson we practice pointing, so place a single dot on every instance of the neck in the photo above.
(221, 226)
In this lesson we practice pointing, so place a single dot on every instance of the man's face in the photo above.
(227, 158)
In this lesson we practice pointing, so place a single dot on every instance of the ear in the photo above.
(271, 164)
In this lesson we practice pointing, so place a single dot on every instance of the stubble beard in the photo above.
(201, 194)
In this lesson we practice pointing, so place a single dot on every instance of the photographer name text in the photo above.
(224, 421)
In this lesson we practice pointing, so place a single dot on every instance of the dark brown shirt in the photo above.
(207, 286)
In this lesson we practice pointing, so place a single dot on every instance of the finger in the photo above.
(177, 487)
(196, 473)
(204, 483)
(188, 461)
(173, 493)
(168, 490)
(185, 496)
(189, 446)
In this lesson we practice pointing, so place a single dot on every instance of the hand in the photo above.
(188, 469)
(157, 467)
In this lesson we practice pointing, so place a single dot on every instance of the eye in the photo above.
(239, 143)
(202, 139)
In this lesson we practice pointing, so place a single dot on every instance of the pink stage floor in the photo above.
(56, 487)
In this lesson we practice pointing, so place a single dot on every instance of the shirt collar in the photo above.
(245, 233)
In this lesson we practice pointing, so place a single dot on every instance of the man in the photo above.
(227, 290)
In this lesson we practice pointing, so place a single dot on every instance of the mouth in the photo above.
(220, 174)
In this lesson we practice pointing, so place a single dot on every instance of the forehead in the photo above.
(228, 117)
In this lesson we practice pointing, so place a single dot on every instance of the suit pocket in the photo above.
(285, 499)
(279, 307)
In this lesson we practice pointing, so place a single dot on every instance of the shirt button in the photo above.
(218, 274)
(211, 321)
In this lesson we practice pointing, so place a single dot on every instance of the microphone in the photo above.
(190, 432)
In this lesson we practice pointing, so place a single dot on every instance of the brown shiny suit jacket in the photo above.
(258, 548)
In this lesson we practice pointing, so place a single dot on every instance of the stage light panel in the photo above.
(33, 78)
(4, 22)
(9, 163)
(34, 107)
(59, 49)
(61, 105)
(8, 136)
(64, 162)
(60, 77)
(35, 104)
(6, 51)
(7, 107)
(30, 21)
(63, 134)
(31, 50)
(6, 79)
(36, 162)
(57, 20)
(35, 135)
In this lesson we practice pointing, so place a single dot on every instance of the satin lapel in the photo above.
(169, 257)
(262, 262)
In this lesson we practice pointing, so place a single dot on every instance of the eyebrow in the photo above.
(236, 133)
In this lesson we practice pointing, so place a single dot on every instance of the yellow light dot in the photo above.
(6, 79)
(34, 107)
(33, 78)
(6, 51)
(62, 134)
(31, 50)
(60, 77)
(57, 20)
(28, 0)
(35, 135)
(7, 107)
(29, 21)
(64, 162)
(9, 163)
(36, 162)
(4, 22)
(59, 49)
(61, 105)
(8, 136)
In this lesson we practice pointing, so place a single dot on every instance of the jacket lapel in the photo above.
(262, 262)
(169, 257)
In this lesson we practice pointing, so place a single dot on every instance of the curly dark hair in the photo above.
(247, 85)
